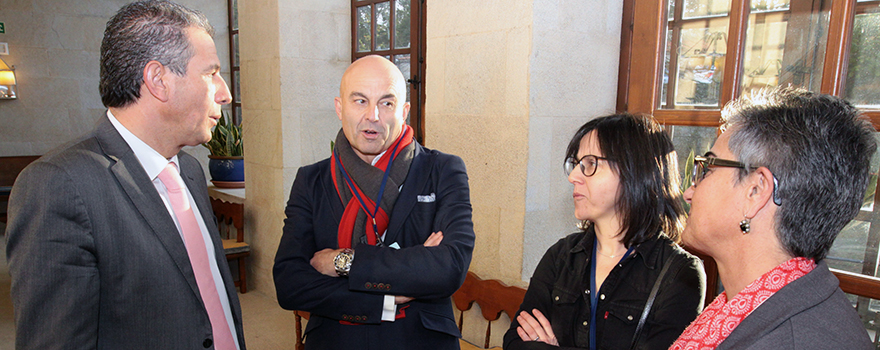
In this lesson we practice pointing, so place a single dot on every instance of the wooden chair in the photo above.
(493, 297)
(300, 328)
(230, 218)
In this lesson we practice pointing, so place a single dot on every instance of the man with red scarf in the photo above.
(378, 236)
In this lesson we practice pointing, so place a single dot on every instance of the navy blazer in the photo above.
(96, 259)
(434, 197)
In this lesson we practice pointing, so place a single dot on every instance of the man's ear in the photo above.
(406, 107)
(760, 191)
(156, 80)
(338, 103)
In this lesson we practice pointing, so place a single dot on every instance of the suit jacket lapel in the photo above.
(419, 172)
(140, 190)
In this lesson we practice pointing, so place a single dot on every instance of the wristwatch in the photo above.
(343, 262)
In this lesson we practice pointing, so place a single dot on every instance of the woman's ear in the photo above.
(760, 188)
(156, 80)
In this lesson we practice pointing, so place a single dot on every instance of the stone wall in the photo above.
(55, 48)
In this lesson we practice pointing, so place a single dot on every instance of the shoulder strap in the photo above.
(650, 302)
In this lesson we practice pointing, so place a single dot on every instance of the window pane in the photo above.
(364, 22)
(690, 141)
(863, 77)
(785, 46)
(705, 8)
(403, 63)
(383, 26)
(768, 5)
(236, 85)
(666, 62)
(402, 24)
(235, 57)
(700, 69)
(234, 14)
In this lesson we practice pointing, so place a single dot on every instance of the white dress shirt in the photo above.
(153, 163)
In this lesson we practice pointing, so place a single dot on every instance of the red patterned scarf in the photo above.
(721, 317)
(359, 185)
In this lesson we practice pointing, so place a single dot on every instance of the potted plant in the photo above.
(226, 163)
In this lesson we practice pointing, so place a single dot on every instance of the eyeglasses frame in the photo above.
(581, 165)
(704, 162)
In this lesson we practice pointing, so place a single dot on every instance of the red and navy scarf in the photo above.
(360, 185)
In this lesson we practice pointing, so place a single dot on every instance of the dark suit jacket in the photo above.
(435, 197)
(97, 261)
(809, 313)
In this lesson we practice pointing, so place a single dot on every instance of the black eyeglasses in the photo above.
(588, 164)
(702, 164)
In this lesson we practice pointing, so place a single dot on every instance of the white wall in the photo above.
(573, 70)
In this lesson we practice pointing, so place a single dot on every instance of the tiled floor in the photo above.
(266, 325)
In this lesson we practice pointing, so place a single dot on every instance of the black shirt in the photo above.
(560, 289)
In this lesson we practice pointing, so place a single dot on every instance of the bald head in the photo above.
(372, 105)
(373, 67)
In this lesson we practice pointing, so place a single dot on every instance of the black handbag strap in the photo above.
(650, 303)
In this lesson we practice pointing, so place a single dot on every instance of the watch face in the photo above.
(343, 260)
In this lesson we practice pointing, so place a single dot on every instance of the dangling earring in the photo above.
(745, 225)
(583, 225)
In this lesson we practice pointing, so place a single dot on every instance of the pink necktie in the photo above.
(198, 256)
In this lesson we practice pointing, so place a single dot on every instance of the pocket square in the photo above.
(427, 199)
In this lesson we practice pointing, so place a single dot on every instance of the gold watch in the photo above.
(343, 262)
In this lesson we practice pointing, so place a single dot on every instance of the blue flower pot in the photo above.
(226, 171)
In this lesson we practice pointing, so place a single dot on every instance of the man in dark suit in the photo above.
(104, 247)
(376, 276)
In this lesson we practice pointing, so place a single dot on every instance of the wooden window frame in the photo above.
(644, 22)
(416, 51)
(639, 87)
(234, 69)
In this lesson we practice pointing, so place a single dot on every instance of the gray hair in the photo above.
(141, 32)
(818, 146)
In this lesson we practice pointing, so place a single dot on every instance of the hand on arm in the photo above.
(535, 328)
(323, 261)
(433, 240)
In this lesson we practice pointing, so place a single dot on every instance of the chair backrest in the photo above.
(229, 216)
(493, 297)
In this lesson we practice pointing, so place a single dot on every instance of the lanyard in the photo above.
(356, 190)
(594, 294)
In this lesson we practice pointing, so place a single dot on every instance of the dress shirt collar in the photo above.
(152, 162)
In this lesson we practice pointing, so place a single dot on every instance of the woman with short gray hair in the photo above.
(787, 173)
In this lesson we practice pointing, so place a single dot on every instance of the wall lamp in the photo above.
(7, 81)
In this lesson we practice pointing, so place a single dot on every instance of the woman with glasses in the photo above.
(787, 173)
(592, 288)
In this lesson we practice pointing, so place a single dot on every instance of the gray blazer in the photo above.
(809, 313)
(97, 261)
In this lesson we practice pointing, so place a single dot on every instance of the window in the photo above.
(699, 54)
(234, 63)
(394, 29)
(685, 64)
